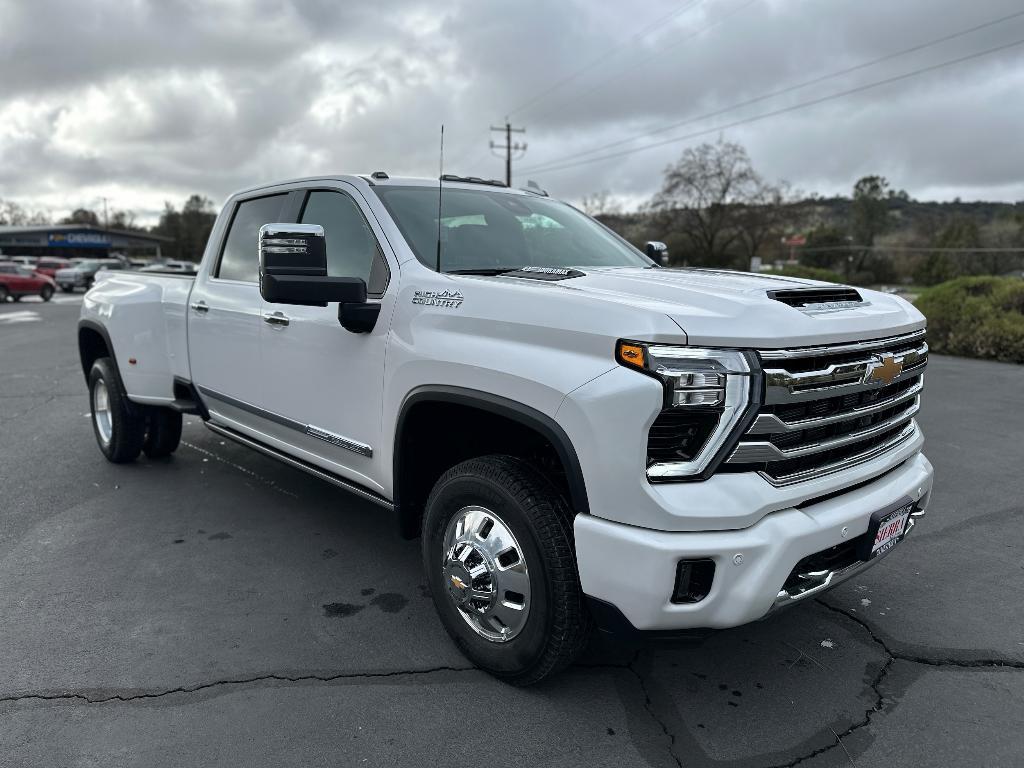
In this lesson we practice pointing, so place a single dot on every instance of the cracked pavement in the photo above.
(221, 609)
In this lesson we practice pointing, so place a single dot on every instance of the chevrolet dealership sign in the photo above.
(83, 239)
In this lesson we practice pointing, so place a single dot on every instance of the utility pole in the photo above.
(509, 147)
(106, 221)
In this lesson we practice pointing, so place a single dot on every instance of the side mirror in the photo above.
(657, 251)
(293, 268)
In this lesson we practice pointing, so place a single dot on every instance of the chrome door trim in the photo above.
(311, 430)
(281, 456)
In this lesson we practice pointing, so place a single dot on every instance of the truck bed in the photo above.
(145, 316)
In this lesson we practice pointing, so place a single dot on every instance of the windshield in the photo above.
(486, 230)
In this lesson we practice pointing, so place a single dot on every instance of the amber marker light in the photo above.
(630, 354)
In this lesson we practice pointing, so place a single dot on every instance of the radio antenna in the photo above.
(440, 183)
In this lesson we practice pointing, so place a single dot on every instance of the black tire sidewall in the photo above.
(46, 293)
(127, 421)
(526, 649)
(4, 294)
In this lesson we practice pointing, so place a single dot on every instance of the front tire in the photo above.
(46, 293)
(119, 424)
(67, 288)
(500, 563)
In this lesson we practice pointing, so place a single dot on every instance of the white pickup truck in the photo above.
(578, 435)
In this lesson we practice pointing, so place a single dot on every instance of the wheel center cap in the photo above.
(459, 581)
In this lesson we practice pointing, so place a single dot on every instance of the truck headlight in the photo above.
(707, 393)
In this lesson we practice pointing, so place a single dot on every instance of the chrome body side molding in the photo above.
(309, 429)
(322, 474)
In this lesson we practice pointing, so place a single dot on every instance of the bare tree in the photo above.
(703, 197)
(763, 217)
(600, 204)
(12, 214)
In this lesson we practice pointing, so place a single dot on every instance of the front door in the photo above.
(224, 317)
(324, 382)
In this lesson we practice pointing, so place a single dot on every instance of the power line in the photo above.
(645, 61)
(605, 55)
(782, 91)
(559, 166)
(903, 249)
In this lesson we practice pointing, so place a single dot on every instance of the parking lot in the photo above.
(220, 608)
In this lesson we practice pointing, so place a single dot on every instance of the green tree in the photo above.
(82, 216)
(826, 247)
(189, 228)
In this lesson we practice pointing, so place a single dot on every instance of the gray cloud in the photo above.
(148, 101)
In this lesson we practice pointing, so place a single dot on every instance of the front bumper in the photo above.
(633, 569)
(76, 279)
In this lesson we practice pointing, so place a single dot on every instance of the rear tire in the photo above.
(46, 293)
(512, 535)
(163, 433)
(4, 294)
(119, 424)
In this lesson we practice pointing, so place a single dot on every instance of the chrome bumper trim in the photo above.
(821, 581)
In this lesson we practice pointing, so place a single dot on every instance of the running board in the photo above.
(305, 466)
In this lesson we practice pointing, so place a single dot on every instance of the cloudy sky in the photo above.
(144, 102)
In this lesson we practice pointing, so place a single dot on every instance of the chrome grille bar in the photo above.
(752, 452)
(851, 461)
(828, 408)
(771, 424)
(840, 349)
(782, 386)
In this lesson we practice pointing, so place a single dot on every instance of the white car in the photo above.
(577, 435)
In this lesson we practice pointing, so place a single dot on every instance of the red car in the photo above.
(17, 281)
(48, 265)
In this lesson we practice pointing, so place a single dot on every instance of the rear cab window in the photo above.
(239, 259)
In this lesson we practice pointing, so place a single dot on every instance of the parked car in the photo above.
(577, 434)
(17, 280)
(25, 261)
(82, 274)
(171, 266)
(48, 265)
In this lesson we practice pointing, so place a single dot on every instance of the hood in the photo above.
(723, 308)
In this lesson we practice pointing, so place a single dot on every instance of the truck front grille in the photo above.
(829, 408)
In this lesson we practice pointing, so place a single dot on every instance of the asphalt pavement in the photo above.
(218, 608)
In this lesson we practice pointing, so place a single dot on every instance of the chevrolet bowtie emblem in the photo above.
(883, 369)
(458, 582)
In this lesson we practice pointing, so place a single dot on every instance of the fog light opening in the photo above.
(693, 580)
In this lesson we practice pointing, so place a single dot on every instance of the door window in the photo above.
(240, 259)
(352, 248)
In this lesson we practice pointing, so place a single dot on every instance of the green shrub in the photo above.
(811, 273)
(976, 317)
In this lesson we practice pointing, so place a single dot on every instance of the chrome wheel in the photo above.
(101, 412)
(485, 574)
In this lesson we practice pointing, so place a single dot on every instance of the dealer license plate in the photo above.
(887, 528)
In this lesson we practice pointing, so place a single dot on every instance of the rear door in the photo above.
(322, 383)
(224, 315)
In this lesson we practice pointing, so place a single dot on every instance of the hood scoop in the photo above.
(819, 299)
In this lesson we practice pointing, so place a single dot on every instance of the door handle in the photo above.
(200, 307)
(278, 319)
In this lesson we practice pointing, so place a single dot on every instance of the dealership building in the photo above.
(77, 240)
